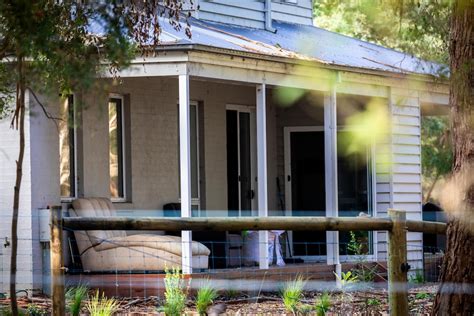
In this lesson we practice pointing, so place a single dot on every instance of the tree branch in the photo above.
(46, 113)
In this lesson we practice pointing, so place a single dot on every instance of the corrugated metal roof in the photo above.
(300, 42)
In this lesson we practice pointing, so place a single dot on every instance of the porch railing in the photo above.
(396, 224)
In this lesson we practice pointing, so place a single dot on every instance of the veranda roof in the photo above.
(303, 42)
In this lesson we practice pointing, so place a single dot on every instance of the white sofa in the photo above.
(111, 250)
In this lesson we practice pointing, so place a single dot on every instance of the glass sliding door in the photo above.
(354, 191)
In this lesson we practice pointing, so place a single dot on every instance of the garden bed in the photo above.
(370, 302)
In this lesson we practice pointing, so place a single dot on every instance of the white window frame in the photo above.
(124, 163)
(76, 182)
(195, 201)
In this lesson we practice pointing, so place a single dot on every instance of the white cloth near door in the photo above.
(251, 249)
(275, 246)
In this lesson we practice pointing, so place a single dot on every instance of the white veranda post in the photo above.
(185, 169)
(330, 150)
(262, 172)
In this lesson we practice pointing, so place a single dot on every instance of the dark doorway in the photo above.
(308, 192)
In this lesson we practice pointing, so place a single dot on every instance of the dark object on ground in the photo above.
(217, 309)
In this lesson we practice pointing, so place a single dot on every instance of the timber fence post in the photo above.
(397, 264)
(57, 271)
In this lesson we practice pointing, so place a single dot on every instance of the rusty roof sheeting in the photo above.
(301, 42)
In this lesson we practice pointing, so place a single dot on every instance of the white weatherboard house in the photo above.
(206, 122)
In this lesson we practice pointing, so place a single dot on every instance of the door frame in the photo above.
(251, 109)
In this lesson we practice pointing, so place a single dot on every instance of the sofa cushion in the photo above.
(96, 207)
(166, 243)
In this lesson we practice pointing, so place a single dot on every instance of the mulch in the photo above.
(368, 302)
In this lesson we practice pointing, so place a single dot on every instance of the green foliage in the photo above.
(362, 271)
(175, 293)
(305, 309)
(346, 279)
(293, 293)
(436, 147)
(6, 311)
(416, 27)
(35, 310)
(101, 305)
(69, 44)
(422, 295)
(231, 294)
(6, 91)
(418, 278)
(323, 304)
(436, 150)
(373, 302)
(74, 298)
(205, 297)
(354, 247)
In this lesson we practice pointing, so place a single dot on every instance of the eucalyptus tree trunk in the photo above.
(17, 122)
(456, 292)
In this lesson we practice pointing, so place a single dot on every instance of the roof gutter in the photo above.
(268, 16)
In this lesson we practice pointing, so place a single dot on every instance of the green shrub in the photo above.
(354, 246)
(323, 304)
(6, 311)
(347, 278)
(231, 294)
(35, 310)
(422, 296)
(293, 293)
(175, 293)
(373, 302)
(418, 278)
(305, 309)
(205, 296)
(74, 298)
(101, 305)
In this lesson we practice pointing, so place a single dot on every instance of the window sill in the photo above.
(120, 201)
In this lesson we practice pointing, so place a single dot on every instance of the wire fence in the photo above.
(132, 264)
(137, 266)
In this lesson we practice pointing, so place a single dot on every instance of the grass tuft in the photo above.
(101, 305)
(205, 297)
(75, 297)
(323, 304)
(175, 294)
(293, 293)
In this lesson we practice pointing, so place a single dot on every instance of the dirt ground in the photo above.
(370, 302)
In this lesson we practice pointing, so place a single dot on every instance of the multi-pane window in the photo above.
(67, 148)
(116, 148)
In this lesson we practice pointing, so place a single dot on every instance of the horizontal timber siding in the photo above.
(251, 13)
(406, 156)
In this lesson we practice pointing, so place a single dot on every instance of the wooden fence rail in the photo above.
(396, 224)
(301, 223)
